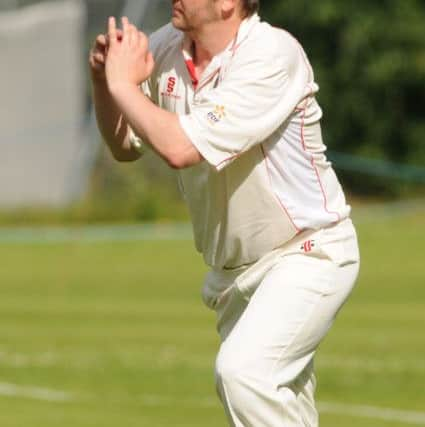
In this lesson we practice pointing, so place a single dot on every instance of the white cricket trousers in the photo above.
(271, 318)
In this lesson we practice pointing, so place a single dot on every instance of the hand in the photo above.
(97, 57)
(128, 61)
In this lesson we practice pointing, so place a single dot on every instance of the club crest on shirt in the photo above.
(170, 91)
(216, 115)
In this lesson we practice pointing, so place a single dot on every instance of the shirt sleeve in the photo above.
(255, 97)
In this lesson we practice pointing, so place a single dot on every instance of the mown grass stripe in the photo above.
(361, 411)
(37, 393)
(374, 412)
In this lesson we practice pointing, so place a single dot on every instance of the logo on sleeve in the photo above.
(218, 114)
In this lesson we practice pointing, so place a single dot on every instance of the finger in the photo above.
(99, 58)
(101, 40)
(112, 30)
(134, 33)
(119, 37)
(101, 44)
(126, 35)
(143, 40)
(96, 66)
(150, 62)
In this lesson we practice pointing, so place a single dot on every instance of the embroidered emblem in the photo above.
(169, 88)
(218, 114)
(170, 85)
(307, 246)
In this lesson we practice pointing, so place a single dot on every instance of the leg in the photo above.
(264, 368)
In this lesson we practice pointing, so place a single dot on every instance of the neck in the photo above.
(213, 38)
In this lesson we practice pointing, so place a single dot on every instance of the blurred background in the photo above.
(100, 317)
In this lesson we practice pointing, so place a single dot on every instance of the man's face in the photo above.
(190, 15)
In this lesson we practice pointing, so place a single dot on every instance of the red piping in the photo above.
(325, 200)
(276, 196)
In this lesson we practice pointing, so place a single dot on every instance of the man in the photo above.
(229, 101)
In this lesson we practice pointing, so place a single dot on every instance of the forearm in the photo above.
(157, 127)
(111, 123)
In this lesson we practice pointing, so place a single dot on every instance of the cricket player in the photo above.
(229, 101)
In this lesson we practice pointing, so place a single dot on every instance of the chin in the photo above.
(178, 23)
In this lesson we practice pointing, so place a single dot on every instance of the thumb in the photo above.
(150, 63)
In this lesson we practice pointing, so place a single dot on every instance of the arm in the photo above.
(111, 123)
(128, 64)
(160, 128)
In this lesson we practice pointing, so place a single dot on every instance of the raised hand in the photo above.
(97, 57)
(128, 60)
(98, 53)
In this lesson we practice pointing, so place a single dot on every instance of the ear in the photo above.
(228, 6)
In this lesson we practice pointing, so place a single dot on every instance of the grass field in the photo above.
(111, 332)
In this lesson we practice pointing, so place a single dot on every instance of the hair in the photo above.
(250, 7)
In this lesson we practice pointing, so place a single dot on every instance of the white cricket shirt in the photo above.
(254, 118)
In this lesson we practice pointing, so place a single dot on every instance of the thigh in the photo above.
(280, 328)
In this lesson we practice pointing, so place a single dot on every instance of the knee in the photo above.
(235, 373)
(235, 370)
(226, 367)
(231, 381)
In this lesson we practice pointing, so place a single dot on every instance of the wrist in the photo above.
(121, 89)
(99, 85)
(97, 76)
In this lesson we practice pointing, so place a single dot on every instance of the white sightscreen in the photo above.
(47, 149)
(42, 88)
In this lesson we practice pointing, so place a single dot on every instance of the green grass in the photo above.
(121, 327)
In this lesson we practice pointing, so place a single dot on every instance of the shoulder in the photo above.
(164, 40)
(165, 45)
(270, 45)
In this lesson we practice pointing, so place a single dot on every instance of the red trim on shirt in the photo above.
(211, 76)
(266, 161)
(313, 164)
(192, 72)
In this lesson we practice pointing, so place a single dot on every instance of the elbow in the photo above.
(122, 153)
(121, 159)
(183, 159)
(176, 162)
(183, 156)
(125, 156)
(175, 158)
